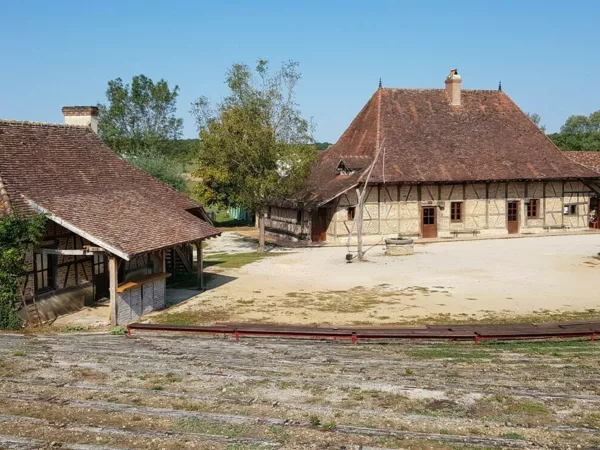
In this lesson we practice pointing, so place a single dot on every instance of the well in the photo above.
(399, 247)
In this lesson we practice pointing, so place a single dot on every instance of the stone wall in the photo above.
(136, 302)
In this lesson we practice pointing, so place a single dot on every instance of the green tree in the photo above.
(579, 133)
(255, 148)
(139, 117)
(17, 237)
(536, 118)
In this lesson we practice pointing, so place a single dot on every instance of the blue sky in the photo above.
(64, 52)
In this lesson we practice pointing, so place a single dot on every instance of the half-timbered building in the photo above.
(112, 229)
(444, 162)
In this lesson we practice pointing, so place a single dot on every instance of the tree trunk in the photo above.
(261, 232)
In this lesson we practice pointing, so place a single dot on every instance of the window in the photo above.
(351, 213)
(99, 263)
(269, 213)
(43, 268)
(456, 213)
(570, 210)
(533, 208)
(299, 216)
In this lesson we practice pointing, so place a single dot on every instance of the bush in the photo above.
(17, 236)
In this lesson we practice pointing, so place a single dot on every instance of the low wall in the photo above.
(134, 303)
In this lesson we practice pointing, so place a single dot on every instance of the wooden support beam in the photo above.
(187, 264)
(67, 252)
(200, 265)
(113, 281)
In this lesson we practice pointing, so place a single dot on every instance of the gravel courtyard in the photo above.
(470, 280)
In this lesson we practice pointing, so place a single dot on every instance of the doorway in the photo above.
(100, 276)
(320, 222)
(428, 222)
(512, 217)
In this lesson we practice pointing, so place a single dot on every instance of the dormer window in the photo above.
(344, 169)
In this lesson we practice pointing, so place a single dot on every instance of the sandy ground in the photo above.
(469, 279)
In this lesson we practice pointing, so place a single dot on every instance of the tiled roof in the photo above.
(68, 172)
(588, 159)
(426, 140)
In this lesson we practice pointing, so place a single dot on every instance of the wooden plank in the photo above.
(66, 252)
(131, 284)
(200, 265)
(112, 277)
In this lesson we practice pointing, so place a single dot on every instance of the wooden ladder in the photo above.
(34, 318)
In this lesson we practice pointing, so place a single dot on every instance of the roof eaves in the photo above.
(78, 231)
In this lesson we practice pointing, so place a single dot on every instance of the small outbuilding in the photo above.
(112, 228)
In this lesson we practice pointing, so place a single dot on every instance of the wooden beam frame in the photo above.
(113, 282)
(200, 265)
(69, 252)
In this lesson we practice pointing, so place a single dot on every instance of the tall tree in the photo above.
(579, 133)
(140, 116)
(255, 147)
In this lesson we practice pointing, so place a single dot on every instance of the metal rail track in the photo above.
(476, 332)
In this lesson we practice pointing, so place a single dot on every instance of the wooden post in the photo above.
(200, 265)
(113, 281)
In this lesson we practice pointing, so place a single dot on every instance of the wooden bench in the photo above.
(471, 232)
(556, 227)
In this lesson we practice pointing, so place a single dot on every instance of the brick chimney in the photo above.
(81, 115)
(453, 87)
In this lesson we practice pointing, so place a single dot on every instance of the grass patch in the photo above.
(193, 317)
(451, 352)
(235, 260)
(195, 425)
(513, 436)
(18, 353)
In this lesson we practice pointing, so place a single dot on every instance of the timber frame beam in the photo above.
(70, 252)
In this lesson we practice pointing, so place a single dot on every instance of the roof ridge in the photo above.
(41, 124)
(436, 89)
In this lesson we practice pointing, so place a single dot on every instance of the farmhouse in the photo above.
(444, 162)
(592, 161)
(113, 230)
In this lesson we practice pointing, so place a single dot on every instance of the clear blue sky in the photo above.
(64, 52)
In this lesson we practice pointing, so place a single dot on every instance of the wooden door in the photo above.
(100, 276)
(512, 217)
(428, 222)
(319, 225)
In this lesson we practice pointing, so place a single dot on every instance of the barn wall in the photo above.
(73, 275)
(392, 210)
(283, 223)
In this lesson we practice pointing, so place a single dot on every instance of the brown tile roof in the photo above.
(67, 171)
(426, 140)
(589, 159)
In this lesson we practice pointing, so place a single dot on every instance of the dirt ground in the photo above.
(99, 392)
(535, 277)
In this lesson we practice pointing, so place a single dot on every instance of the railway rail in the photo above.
(475, 332)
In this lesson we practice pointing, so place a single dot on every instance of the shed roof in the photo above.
(68, 172)
(426, 140)
(588, 159)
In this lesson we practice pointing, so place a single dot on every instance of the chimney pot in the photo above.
(454, 87)
(81, 115)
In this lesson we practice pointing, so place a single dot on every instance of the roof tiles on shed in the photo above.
(67, 171)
